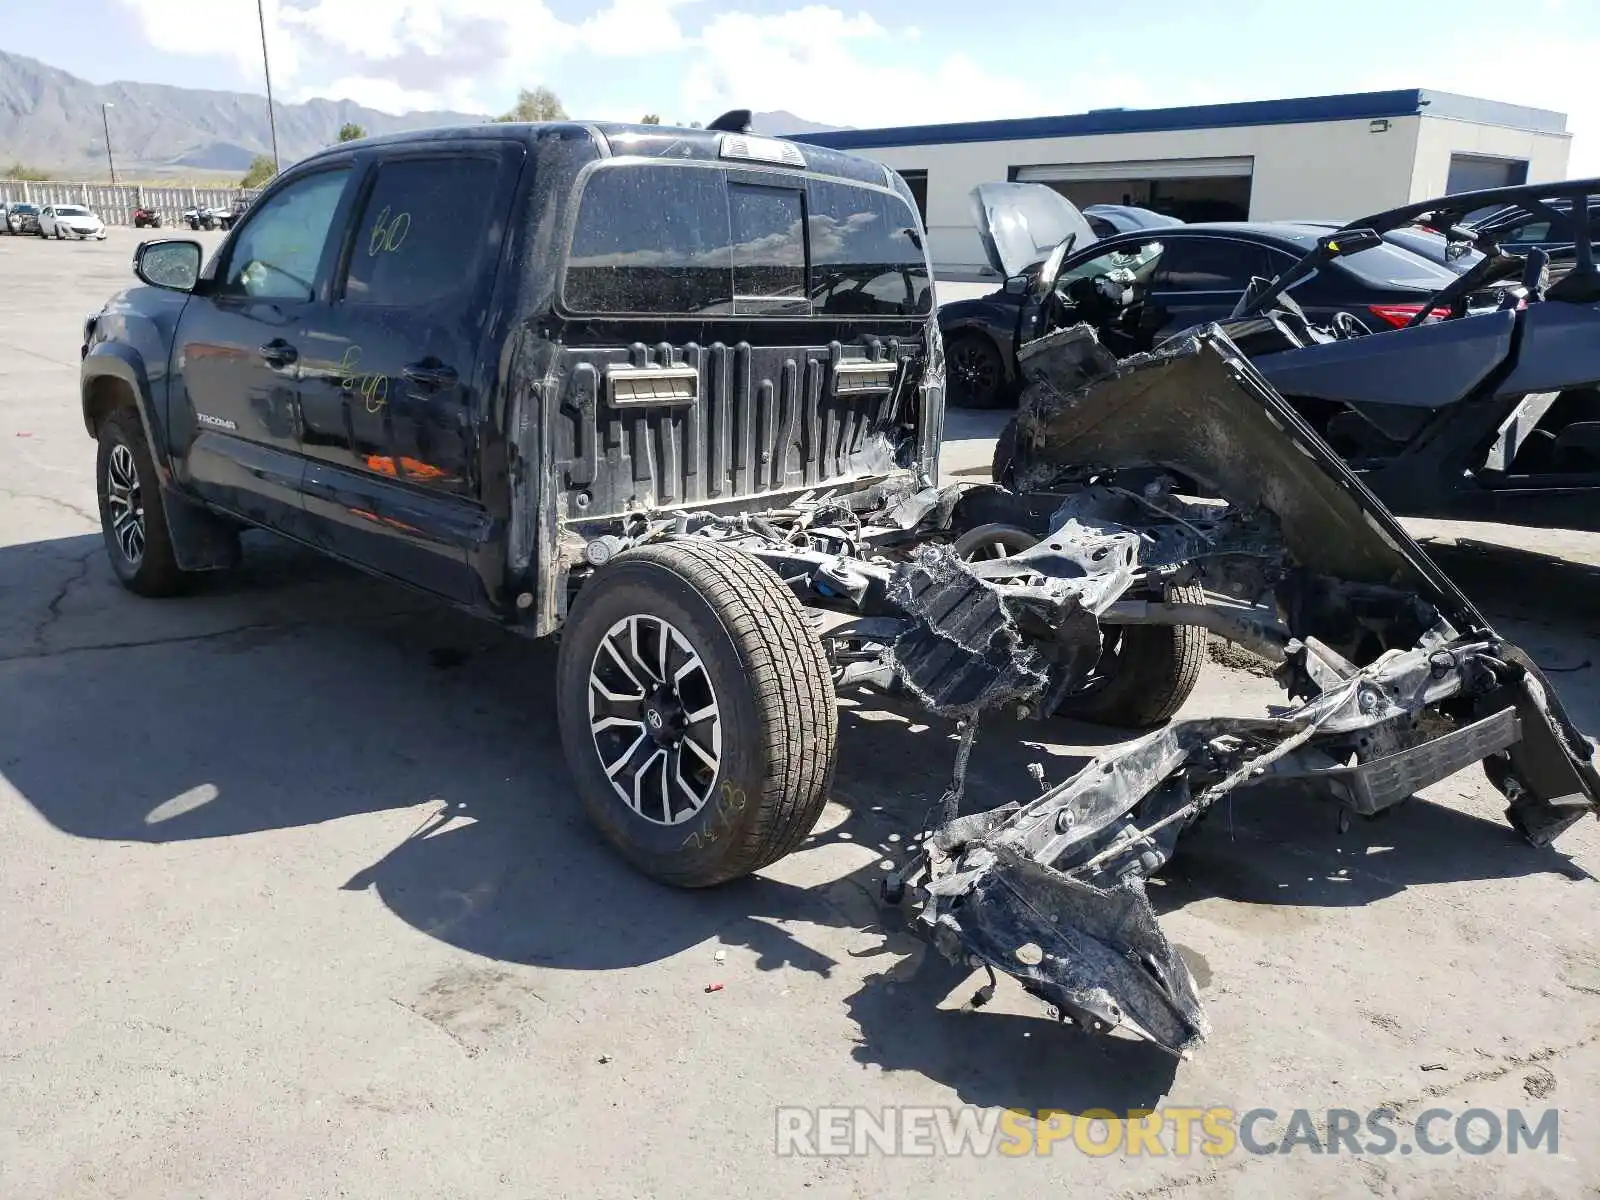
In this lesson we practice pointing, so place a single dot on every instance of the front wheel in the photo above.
(697, 712)
(133, 520)
(1145, 672)
(974, 372)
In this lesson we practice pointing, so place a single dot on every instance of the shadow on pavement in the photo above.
(1506, 579)
(298, 692)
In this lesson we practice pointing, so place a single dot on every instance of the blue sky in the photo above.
(887, 62)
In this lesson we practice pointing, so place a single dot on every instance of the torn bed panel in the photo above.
(1400, 681)
(1199, 408)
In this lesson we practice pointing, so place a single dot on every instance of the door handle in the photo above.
(278, 353)
(430, 375)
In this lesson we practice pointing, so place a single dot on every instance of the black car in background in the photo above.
(21, 217)
(1107, 220)
(1139, 287)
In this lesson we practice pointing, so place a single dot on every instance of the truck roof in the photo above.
(652, 141)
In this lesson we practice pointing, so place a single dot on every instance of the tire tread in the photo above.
(793, 692)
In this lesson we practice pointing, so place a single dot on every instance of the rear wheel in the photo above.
(696, 711)
(974, 372)
(1145, 672)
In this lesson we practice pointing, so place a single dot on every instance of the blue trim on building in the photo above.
(1356, 106)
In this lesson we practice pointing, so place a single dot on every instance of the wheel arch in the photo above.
(977, 327)
(113, 376)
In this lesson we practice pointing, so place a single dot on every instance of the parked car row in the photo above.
(59, 221)
(19, 217)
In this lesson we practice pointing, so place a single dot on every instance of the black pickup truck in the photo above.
(678, 395)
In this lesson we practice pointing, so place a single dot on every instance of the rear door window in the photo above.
(671, 240)
(1210, 265)
(423, 232)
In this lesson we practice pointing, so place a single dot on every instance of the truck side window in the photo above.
(275, 254)
(422, 233)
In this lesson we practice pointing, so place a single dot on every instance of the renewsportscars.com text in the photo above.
(1212, 1132)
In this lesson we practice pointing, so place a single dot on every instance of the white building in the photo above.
(1321, 157)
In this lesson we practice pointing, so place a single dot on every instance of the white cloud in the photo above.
(173, 28)
(382, 94)
(829, 66)
(843, 67)
(405, 54)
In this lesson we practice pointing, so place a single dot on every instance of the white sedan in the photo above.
(70, 220)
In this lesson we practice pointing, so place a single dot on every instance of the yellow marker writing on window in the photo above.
(388, 233)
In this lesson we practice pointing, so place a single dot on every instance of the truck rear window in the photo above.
(688, 241)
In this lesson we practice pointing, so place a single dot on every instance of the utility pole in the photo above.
(105, 122)
(266, 68)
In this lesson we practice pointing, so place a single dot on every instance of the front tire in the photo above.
(133, 520)
(696, 711)
(974, 372)
(1145, 672)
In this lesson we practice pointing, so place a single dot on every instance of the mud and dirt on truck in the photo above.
(677, 396)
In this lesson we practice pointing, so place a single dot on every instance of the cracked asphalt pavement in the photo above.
(295, 901)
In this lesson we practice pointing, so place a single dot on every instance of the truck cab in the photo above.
(457, 357)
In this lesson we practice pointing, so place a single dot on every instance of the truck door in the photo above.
(233, 404)
(392, 385)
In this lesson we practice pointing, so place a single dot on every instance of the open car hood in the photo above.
(1021, 223)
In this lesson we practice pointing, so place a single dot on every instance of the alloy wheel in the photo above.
(655, 720)
(125, 504)
(974, 367)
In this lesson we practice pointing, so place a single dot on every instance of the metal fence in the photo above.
(115, 205)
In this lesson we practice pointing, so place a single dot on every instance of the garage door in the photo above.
(1155, 168)
(1473, 173)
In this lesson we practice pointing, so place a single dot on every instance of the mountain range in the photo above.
(50, 121)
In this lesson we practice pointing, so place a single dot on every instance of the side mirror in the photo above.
(1348, 241)
(172, 264)
(1017, 285)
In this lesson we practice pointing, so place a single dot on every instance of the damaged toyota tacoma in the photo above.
(677, 395)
